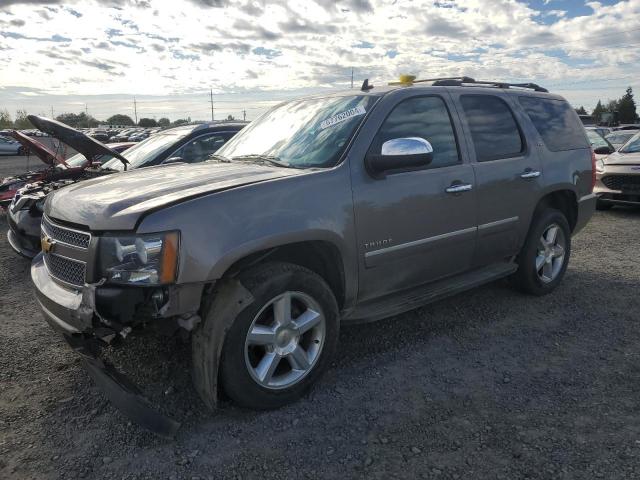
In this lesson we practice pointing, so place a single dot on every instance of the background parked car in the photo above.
(620, 137)
(618, 176)
(600, 146)
(602, 131)
(8, 146)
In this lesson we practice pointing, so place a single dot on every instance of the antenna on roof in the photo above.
(365, 85)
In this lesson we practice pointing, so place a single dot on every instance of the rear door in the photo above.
(412, 227)
(507, 168)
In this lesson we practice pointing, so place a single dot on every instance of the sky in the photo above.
(68, 56)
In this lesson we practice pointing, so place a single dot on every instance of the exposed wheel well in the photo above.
(563, 200)
(320, 257)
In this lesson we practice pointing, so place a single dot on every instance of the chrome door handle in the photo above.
(530, 174)
(459, 187)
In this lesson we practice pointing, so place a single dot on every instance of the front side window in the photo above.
(423, 117)
(494, 130)
(201, 148)
(305, 133)
(145, 152)
(556, 122)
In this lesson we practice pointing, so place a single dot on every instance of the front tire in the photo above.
(279, 346)
(543, 260)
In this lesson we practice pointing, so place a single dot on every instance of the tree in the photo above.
(182, 121)
(598, 111)
(22, 122)
(581, 111)
(627, 107)
(147, 122)
(78, 120)
(5, 119)
(230, 118)
(119, 119)
(164, 122)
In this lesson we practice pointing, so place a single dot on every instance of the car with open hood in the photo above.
(57, 168)
(342, 207)
(190, 144)
(618, 176)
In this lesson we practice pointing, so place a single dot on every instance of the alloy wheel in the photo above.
(550, 254)
(285, 340)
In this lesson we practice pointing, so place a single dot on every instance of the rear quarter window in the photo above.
(556, 122)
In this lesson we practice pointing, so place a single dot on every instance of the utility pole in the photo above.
(351, 77)
(211, 96)
(86, 113)
(51, 111)
(135, 110)
(244, 115)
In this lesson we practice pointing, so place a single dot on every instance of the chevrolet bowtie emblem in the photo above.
(47, 244)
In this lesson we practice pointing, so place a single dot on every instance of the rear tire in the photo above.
(279, 346)
(543, 260)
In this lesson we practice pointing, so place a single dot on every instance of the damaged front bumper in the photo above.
(73, 313)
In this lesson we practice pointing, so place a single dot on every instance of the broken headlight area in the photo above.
(144, 260)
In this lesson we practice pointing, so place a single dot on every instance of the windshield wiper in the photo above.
(259, 158)
(219, 158)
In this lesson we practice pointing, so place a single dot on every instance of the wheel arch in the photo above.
(565, 200)
(321, 256)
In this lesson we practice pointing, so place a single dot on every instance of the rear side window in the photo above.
(494, 130)
(556, 122)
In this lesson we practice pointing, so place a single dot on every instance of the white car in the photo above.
(8, 146)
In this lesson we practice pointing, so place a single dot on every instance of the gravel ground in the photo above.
(487, 384)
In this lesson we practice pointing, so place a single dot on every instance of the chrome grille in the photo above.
(65, 269)
(69, 236)
(626, 183)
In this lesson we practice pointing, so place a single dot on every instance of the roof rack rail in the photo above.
(458, 81)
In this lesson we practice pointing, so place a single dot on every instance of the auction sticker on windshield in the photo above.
(342, 116)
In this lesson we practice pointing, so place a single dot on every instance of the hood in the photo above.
(87, 146)
(117, 202)
(40, 150)
(617, 158)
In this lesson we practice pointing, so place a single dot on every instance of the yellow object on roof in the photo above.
(404, 80)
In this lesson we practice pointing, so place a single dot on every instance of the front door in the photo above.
(415, 226)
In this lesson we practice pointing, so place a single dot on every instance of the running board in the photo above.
(397, 303)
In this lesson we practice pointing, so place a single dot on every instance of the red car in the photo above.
(57, 167)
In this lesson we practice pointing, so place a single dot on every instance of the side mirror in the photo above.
(400, 154)
(172, 160)
(603, 150)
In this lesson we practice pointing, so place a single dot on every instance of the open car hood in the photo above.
(40, 150)
(84, 144)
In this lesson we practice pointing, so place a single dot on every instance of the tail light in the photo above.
(593, 170)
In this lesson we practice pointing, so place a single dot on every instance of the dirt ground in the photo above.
(489, 384)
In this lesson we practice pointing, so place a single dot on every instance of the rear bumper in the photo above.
(586, 208)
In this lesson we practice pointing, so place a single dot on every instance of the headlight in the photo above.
(599, 165)
(140, 260)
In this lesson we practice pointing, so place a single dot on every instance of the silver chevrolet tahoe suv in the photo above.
(327, 210)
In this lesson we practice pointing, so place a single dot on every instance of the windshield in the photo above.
(633, 145)
(148, 149)
(302, 133)
(596, 140)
